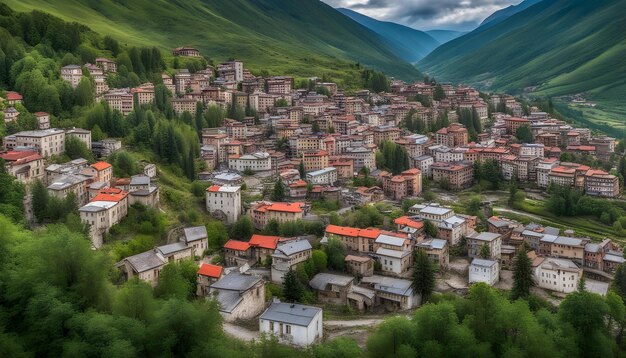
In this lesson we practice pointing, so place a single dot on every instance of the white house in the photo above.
(487, 271)
(326, 176)
(257, 162)
(292, 323)
(560, 275)
(224, 202)
(240, 296)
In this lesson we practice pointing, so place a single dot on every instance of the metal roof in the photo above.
(291, 313)
(195, 233)
(321, 280)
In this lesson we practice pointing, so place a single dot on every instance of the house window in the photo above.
(271, 326)
(287, 329)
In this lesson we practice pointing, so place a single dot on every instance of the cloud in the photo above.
(427, 14)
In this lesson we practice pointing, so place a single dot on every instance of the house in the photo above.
(82, 135)
(287, 256)
(560, 275)
(263, 246)
(323, 176)
(563, 247)
(359, 240)
(240, 296)
(43, 120)
(292, 323)
(487, 271)
(256, 162)
(11, 114)
(71, 74)
(13, 98)
(392, 292)
(457, 175)
(105, 210)
(359, 266)
(207, 275)
(332, 288)
(71, 183)
(25, 166)
(103, 172)
(238, 253)
(146, 266)
(263, 212)
(48, 141)
(477, 240)
(196, 237)
(224, 202)
(412, 226)
(437, 250)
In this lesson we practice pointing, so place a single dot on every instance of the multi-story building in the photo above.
(315, 160)
(563, 247)
(560, 275)
(186, 51)
(287, 256)
(106, 65)
(601, 183)
(362, 156)
(231, 71)
(325, 176)
(25, 166)
(458, 175)
(256, 162)
(263, 212)
(407, 183)
(279, 85)
(120, 100)
(487, 271)
(493, 241)
(71, 74)
(105, 210)
(181, 105)
(43, 120)
(359, 240)
(224, 202)
(48, 142)
(144, 93)
(455, 135)
(82, 135)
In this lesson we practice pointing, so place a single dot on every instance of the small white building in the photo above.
(256, 162)
(487, 271)
(560, 275)
(224, 202)
(326, 176)
(292, 323)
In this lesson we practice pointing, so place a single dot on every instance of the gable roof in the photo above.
(291, 313)
(100, 166)
(237, 245)
(210, 270)
(264, 241)
(195, 233)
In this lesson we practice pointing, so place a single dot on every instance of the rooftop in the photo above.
(291, 313)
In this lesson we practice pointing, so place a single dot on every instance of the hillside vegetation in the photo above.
(556, 47)
(302, 38)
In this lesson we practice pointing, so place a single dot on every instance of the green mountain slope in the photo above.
(300, 38)
(407, 43)
(559, 46)
(507, 12)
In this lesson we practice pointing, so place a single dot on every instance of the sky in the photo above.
(462, 15)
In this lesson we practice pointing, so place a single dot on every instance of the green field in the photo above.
(582, 225)
(303, 38)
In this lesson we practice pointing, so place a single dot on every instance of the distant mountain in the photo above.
(303, 37)
(407, 43)
(555, 47)
(507, 12)
(443, 36)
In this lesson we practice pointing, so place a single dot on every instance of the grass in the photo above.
(582, 225)
(303, 38)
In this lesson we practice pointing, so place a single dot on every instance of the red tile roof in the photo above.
(13, 96)
(285, 207)
(237, 245)
(110, 194)
(342, 230)
(213, 188)
(263, 241)
(100, 166)
(25, 156)
(210, 270)
(406, 221)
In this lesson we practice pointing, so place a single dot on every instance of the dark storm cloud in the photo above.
(427, 14)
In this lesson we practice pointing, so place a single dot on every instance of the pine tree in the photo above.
(423, 275)
(522, 275)
(485, 253)
(619, 281)
(292, 287)
(278, 193)
(430, 228)
(40, 200)
(301, 170)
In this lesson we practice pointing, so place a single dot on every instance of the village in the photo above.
(307, 146)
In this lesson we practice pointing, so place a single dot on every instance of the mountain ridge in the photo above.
(303, 39)
(408, 43)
